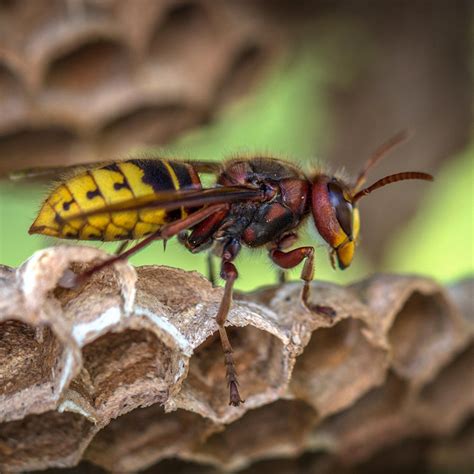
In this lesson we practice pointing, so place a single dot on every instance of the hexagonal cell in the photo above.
(50, 271)
(243, 73)
(124, 370)
(144, 436)
(28, 356)
(408, 456)
(158, 286)
(22, 20)
(279, 429)
(454, 453)
(184, 29)
(36, 146)
(94, 64)
(447, 400)
(35, 367)
(337, 366)
(147, 124)
(261, 363)
(374, 421)
(96, 306)
(41, 441)
(422, 335)
(190, 47)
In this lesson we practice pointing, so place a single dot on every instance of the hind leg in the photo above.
(166, 232)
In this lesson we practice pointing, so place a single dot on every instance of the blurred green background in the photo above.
(280, 121)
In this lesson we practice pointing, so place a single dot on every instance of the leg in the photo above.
(291, 259)
(211, 274)
(229, 274)
(166, 232)
(285, 242)
(281, 276)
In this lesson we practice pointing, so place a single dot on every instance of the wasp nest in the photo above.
(128, 371)
(88, 78)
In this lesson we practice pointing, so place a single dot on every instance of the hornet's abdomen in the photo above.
(111, 184)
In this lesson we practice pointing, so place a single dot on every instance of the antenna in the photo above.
(393, 178)
(378, 154)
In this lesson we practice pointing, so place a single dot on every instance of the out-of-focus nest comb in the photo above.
(127, 373)
(84, 79)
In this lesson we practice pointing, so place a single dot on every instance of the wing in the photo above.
(51, 172)
(169, 200)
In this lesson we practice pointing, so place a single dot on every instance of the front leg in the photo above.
(293, 258)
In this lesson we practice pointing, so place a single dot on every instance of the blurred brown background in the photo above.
(88, 80)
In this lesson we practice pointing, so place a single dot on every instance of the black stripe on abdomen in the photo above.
(158, 177)
(182, 173)
(155, 174)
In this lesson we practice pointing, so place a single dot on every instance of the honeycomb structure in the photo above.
(126, 372)
(88, 80)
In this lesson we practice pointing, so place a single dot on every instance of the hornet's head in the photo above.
(334, 204)
(336, 217)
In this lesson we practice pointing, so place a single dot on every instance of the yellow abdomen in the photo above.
(111, 184)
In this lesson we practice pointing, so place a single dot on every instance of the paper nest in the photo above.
(127, 371)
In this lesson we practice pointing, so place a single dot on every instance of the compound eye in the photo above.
(342, 207)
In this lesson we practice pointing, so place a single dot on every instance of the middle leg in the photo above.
(229, 274)
(293, 258)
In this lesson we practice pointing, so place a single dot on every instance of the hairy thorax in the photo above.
(256, 224)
